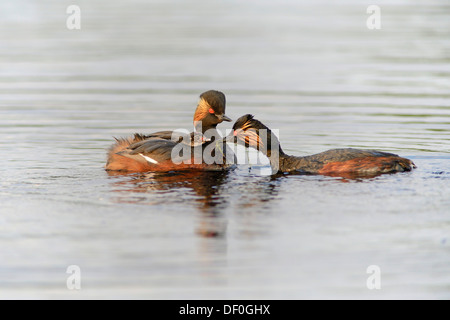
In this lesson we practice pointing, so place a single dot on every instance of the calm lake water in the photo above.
(311, 69)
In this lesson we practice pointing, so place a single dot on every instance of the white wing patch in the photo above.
(149, 159)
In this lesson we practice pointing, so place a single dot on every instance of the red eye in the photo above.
(211, 110)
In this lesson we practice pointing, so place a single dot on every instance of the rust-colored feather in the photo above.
(368, 165)
(202, 110)
(118, 162)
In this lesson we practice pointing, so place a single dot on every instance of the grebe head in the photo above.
(253, 133)
(210, 111)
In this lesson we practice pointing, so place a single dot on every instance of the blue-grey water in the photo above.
(311, 69)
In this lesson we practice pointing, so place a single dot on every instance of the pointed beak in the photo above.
(224, 118)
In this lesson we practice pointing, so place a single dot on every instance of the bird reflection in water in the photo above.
(207, 194)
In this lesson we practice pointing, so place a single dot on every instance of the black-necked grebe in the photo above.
(153, 152)
(335, 162)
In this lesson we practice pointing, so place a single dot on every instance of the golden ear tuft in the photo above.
(246, 125)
